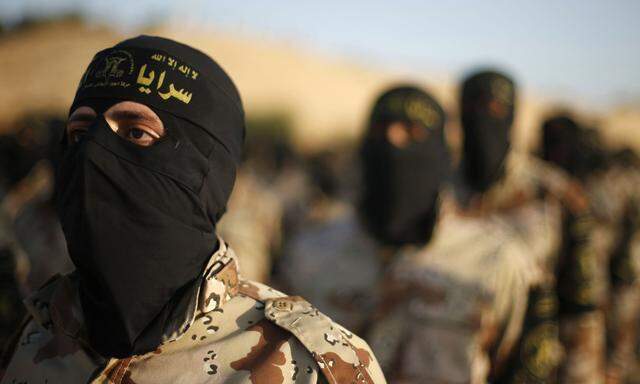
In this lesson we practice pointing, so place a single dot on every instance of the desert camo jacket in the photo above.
(479, 303)
(576, 280)
(253, 224)
(238, 331)
(349, 259)
(452, 306)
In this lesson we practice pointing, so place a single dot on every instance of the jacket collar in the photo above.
(220, 279)
(56, 306)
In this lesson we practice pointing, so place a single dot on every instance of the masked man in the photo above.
(451, 305)
(404, 161)
(479, 302)
(611, 184)
(154, 137)
(549, 211)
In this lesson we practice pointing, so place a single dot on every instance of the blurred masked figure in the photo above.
(404, 161)
(479, 302)
(31, 240)
(561, 336)
(611, 181)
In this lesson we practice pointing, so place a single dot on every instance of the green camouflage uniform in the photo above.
(234, 330)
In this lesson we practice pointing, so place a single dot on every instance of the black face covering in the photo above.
(487, 111)
(576, 149)
(140, 221)
(401, 184)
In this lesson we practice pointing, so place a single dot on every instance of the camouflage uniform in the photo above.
(234, 330)
(36, 226)
(346, 255)
(479, 302)
(31, 244)
(253, 225)
(447, 303)
(403, 161)
(615, 203)
(26, 186)
(575, 279)
(13, 270)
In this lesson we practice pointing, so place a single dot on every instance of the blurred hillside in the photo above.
(325, 98)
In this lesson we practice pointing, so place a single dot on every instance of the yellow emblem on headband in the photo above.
(109, 71)
(417, 109)
(502, 91)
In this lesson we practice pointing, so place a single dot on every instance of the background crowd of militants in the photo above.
(281, 192)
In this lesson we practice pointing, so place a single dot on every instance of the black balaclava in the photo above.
(575, 149)
(140, 221)
(399, 203)
(487, 104)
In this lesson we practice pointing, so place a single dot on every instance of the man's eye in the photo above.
(137, 133)
(140, 136)
(76, 135)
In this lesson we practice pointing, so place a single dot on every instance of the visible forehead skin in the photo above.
(82, 114)
(131, 108)
(125, 110)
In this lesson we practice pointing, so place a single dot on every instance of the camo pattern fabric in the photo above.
(451, 306)
(237, 331)
(615, 200)
(349, 260)
(575, 272)
(466, 308)
(32, 247)
(253, 224)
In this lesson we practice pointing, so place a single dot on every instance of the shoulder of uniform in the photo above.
(568, 190)
(342, 356)
(258, 291)
(525, 168)
(557, 183)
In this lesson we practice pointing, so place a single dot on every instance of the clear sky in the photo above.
(573, 49)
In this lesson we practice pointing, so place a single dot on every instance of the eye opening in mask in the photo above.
(78, 124)
(487, 105)
(134, 122)
(402, 133)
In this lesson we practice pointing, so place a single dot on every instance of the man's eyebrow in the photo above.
(82, 117)
(134, 115)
